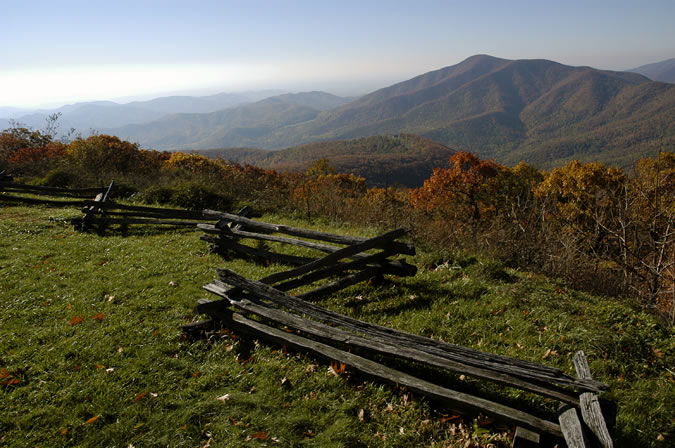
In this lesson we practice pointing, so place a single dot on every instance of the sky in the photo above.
(60, 52)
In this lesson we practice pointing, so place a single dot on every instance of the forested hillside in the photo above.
(405, 159)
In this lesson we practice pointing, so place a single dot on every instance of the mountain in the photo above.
(539, 111)
(534, 110)
(96, 115)
(12, 112)
(382, 160)
(663, 71)
(201, 104)
(246, 125)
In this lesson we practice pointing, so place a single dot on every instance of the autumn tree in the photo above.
(459, 196)
(323, 191)
(15, 139)
(102, 157)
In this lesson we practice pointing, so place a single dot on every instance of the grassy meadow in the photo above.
(92, 353)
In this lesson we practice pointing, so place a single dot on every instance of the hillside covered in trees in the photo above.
(405, 160)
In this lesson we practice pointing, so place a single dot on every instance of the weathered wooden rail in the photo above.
(337, 337)
(102, 212)
(231, 230)
(12, 192)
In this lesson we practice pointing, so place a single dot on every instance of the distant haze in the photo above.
(68, 51)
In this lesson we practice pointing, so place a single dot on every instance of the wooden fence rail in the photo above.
(11, 192)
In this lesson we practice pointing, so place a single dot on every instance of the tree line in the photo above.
(596, 227)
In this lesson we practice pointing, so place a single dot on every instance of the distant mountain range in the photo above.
(246, 125)
(404, 159)
(663, 71)
(539, 111)
(96, 115)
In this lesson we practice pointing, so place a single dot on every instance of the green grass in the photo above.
(151, 386)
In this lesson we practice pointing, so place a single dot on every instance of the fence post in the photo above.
(88, 218)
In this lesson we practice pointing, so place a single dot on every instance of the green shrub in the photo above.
(187, 195)
(60, 177)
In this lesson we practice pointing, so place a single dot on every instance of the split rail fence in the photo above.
(102, 212)
(336, 337)
(15, 192)
(342, 261)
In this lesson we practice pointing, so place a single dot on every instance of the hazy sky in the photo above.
(63, 51)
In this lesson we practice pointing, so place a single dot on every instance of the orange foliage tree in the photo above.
(15, 139)
(36, 161)
(460, 197)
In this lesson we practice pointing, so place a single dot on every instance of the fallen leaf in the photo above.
(99, 366)
(224, 398)
(140, 396)
(196, 374)
(308, 434)
(337, 369)
(139, 425)
(361, 415)
(657, 352)
(660, 438)
(285, 382)
(424, 423)
(183, 428)
(94, 419)
(110, 370)
(173, 284)
(484, 421)
(450, 418)
(548, 352)
(389, 408)
(260, 435)
(99, 317)
(76, 320)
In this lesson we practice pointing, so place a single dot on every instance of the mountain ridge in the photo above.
(663, 71)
